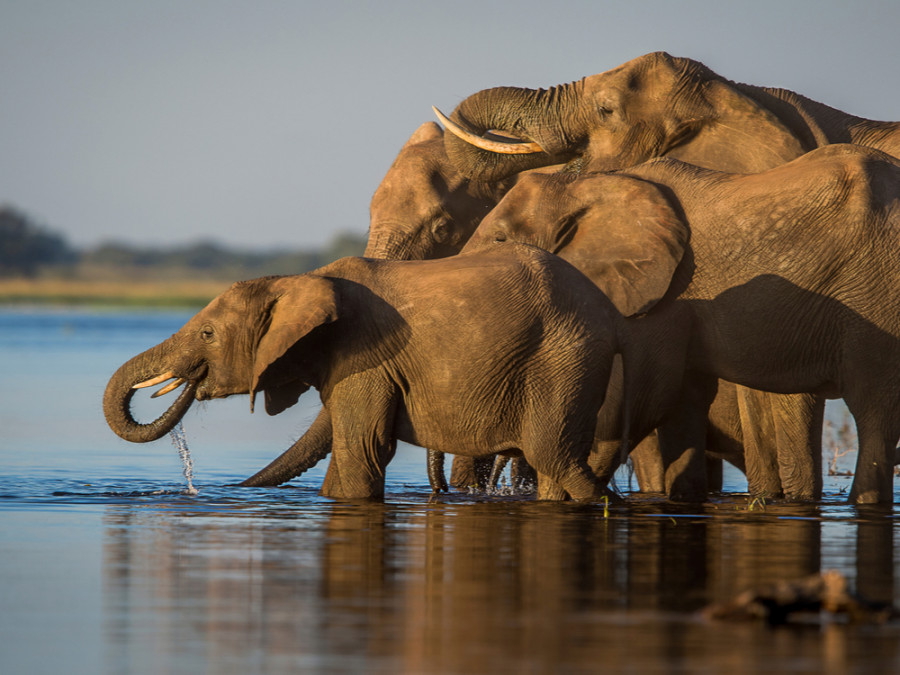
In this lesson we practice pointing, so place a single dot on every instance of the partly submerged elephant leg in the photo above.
(760, 443)
(471, 472)
(313, 447)
(522, 475)
(682, 442)
(648, 465)
(436, 478)
(782, 443)
(877, 428)
(799, 419)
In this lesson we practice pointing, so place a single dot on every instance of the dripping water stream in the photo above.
(180, 442)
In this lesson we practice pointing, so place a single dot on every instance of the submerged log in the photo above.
(776, 603)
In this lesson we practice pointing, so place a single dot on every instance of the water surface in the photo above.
(109, 566)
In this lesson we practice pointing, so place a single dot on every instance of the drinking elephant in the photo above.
(802, 298)
(380, 341)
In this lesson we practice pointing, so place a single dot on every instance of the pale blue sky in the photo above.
(271, 123)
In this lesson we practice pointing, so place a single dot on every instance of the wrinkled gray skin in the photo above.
(657, 105)
(377, 339)
(802, 299)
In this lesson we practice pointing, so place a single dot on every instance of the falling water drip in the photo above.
(180, 443)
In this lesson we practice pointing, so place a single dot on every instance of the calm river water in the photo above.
(108, 566)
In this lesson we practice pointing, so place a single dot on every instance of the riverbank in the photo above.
(155, 293)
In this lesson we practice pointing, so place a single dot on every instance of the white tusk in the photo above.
(503, 148)
(169, 387)
(155, 380)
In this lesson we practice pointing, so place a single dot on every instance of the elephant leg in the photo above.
(305, 453)
(549, 490)
(500, 462)
(760, 442)
(648, 465)
(332, 483)
(558, 465)
(874, 479)
(713, 474)
(799, 419)
(682, 442)
(363, 415)
(724, 438)
(521, 475)
(436, 478)
(471, 472)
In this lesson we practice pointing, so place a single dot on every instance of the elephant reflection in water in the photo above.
(545, 587)
(477, 586)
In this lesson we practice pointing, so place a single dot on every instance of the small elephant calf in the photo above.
(504, 350)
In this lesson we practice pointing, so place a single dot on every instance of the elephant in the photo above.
(801, 299)
(378, 339)
(653, 106)
(658, 105)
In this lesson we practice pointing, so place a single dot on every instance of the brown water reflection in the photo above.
(483, 587)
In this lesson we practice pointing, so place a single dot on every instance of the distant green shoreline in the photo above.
(151, 294)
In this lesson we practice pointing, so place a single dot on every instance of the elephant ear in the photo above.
(626, 237)
(300, 305)
(739, 136)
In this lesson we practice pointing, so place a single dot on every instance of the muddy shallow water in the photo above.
(108, 566)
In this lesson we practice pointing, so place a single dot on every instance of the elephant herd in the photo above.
(653, 259)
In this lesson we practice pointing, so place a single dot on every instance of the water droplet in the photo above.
(180, 442)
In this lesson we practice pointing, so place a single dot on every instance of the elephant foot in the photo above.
(864, 497)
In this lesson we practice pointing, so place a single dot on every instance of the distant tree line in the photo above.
(26, 249)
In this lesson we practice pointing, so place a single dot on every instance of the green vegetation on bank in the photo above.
(39, 266)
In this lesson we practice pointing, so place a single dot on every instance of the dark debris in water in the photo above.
(820, 596)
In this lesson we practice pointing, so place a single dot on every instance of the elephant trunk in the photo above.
(120, 390)
(544, 116)
(309, 449)
(390, 245)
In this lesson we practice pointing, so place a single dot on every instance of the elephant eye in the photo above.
(441, 231)
(500, 236)
(207, 333)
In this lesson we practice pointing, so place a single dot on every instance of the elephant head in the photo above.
(621, 232)
(424, 207)
(230, 347)
(652, 106)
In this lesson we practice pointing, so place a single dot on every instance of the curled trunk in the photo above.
(538, 115)
(119, 392)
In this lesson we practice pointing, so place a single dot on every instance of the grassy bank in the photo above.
(156, 293)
